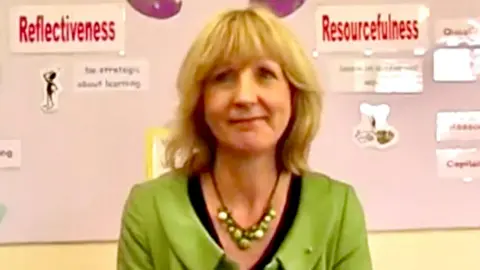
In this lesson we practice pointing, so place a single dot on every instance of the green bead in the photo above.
(259, 234)
(231, 229)
(222, 215)
(243, 243)
(237, 234)
(263, 225)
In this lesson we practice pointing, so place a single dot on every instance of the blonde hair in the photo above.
(243, 34)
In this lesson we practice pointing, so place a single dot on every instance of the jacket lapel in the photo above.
(189, 240)
(306, 242)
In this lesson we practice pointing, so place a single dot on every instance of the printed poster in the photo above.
(111, 75)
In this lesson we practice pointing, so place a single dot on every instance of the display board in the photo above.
(84, 88)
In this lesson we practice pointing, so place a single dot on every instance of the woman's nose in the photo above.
(246, 90)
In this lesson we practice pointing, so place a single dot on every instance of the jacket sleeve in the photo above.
(133, 250)
(352, 251)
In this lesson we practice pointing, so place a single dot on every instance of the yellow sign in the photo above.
(155, 151)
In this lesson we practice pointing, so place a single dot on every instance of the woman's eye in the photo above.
(266, 73)
(223, 77)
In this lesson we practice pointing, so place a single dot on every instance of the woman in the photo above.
(240, 195)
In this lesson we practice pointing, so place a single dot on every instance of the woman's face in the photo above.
(248, 107)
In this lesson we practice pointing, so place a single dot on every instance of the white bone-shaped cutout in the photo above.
(379, 112)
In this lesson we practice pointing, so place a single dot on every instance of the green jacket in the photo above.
(160, 230)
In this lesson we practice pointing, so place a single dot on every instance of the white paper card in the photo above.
(10, 154)
(67, 28)
(112, 75)
(455, 32)
(374, 75)
(476, 62)
(461, 126)
(455, 65)
(458, 163)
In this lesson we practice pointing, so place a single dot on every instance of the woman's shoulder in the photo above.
(166, 185)
(169, 181)
(322, 182)
(321, 188)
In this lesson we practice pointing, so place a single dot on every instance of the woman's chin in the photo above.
(254, 147)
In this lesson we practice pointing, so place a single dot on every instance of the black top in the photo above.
(286, 220)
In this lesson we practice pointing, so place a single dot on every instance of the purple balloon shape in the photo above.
(282, 8)
(157, 9)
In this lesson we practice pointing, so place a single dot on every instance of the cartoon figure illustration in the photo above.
(51, 91)
(366, 135)
(373, 130)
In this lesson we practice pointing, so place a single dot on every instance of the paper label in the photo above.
(112, 75)
(455, 32)
(67, 28)
(456, 65)
(10, 154)
(462, 126)
(458, 163)
(374, 75)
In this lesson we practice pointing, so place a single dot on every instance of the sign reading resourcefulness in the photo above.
(378, 28)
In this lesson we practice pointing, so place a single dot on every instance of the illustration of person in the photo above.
(51, 90)
(367, 135)
(373, 129)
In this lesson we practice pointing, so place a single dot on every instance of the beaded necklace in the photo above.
(243, 237)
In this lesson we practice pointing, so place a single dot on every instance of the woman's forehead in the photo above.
(243, 60)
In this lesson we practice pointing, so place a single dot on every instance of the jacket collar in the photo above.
(189, 240)
(197, 250)
(303, 246)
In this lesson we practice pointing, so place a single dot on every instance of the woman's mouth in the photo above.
(246, 120)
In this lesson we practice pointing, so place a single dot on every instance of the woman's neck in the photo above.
(245, 181)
